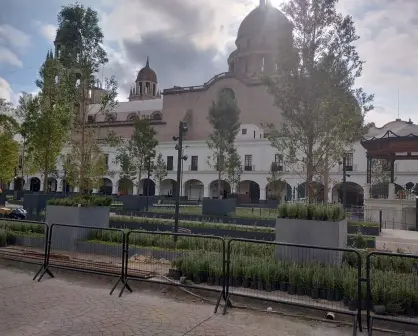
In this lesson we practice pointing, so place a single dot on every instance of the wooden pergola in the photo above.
(400, 143)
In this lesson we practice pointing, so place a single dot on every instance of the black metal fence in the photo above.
(381, 285)
(392, 288)
(328, 279)
(24, 241)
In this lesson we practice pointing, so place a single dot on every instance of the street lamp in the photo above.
(148, 178)
(180, 158)
(345, 175)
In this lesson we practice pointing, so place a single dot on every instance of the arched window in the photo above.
(228, 92)
(156, 115)
(110, 118)
(132, 117)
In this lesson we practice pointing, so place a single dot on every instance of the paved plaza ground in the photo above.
(80, 307)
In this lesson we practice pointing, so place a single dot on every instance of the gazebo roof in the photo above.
(396, 140)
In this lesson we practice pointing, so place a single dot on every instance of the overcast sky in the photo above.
(188, 42)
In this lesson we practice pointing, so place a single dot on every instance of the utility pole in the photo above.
(148, 179)
(180, 158)
(344, 181)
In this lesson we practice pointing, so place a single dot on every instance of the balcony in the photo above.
(193, 167)
(249, 168)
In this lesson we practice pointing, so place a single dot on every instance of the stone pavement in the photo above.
(62, 307)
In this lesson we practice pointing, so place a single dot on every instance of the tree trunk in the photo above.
(139, 182)
(219, 183)
(45, 182)
(326, 182)
(309, 173)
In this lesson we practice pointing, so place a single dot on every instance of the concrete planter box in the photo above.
(134, 202)
(36, 203)
(28, 241)
(365, 230)
(195, 230)
(200, 218)
(311, 232)
(64, 238)
(222, 207)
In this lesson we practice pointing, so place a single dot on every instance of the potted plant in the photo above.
(316, 283)
(323, 225)
(293, 279)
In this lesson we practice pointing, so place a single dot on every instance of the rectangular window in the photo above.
(348, 162)
(278, 160)
(248, 162)
(170, 161)
(254, 135)
(194, 163)
(244, 131)
(106, 157)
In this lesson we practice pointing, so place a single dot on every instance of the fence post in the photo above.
(380, 220)
(369, 292)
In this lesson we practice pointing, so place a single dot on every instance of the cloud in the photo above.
(12, 43)
(14, 36)
(9, 57)
(48, 31)
(5, 89)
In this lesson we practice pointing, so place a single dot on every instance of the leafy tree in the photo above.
(276, 182)
(79, 47)
(160, 170)
(224, 119)
(135, 154)
(234, 170)
(323, 113)
(47, 117)
(9, 147)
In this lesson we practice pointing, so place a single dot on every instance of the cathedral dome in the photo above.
(263, 18)
(147, 74)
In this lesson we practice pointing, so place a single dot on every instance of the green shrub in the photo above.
(82, 201)
(322, 212)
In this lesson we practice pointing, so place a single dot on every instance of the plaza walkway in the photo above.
(79, 307)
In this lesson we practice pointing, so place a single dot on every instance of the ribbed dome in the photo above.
(262, 18)
(146, 74)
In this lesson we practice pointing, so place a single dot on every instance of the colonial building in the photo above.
(260, 35)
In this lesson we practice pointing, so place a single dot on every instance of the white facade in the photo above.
(257, 154)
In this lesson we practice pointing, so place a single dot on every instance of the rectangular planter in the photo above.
(134, 202)
(63, 237)
(222, 207)
(36, 202)
(28, 241)
(365, 230)
(311, 232)
(3, 199)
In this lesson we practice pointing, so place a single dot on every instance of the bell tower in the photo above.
(145, 85)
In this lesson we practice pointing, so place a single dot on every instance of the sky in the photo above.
(188, 42)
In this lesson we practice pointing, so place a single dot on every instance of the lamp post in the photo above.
(180, 158)
(148, 179)
(345, 175)
(184, 158)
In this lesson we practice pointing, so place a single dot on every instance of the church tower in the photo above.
(145, 85)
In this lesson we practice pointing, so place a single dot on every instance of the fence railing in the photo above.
(178, 259)
(392, 288)
(345, 281)
(300, 275)
(24, 241)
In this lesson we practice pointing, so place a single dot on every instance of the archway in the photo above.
(194, 189)
(354, 193)
(249, 191)
(280, 190)
(125, 186)
(19, 182)
(147, 187)
(168, 188)
(107, 186)
(213, 189)
(52, 184)
(35, 184)
(318, 191)
(381, 190)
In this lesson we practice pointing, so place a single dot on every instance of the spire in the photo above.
(147, 65)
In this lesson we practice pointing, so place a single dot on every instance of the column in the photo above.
(95, 190)
(262, 194)
(367, 189)
(114, 189)
(391, 191)
(60, 183)
(157, 189)
(206, 192)
(135, 189)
